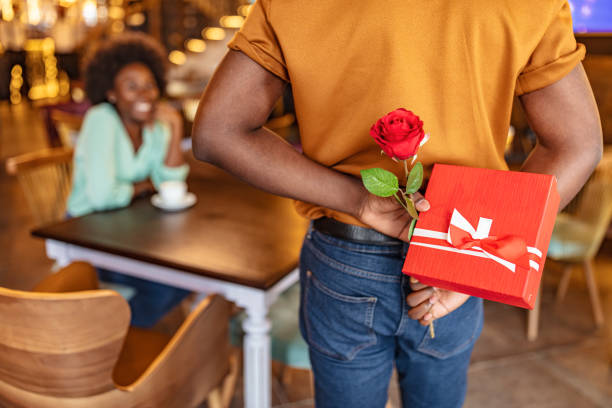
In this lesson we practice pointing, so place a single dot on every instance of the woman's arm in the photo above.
(143, 187)
(97, 144)
(169, 161)
(171, 117)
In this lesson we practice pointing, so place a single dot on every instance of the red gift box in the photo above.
(486, 233)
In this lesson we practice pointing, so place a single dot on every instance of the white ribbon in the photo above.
(480, 232)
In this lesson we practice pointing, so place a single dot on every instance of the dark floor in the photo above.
(568, 366)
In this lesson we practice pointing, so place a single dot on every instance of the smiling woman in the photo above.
(128, 145)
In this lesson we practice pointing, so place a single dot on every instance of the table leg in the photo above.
(59, 252)
(257, 361)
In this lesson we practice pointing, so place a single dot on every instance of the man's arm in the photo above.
(228, 132)
(565, 119)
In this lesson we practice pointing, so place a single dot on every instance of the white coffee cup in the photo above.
(172, 192)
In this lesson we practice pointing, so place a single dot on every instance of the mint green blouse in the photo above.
(106, 166)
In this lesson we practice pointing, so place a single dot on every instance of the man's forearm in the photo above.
(228, 132)
(266, 161)
(564, 117)
(571, 168)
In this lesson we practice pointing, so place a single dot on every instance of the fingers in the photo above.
(416, 298)
(420, 202)
(427, 318)
(439, 304)
(422, 300)
(416, 285)
(419, 296)
(424, 309)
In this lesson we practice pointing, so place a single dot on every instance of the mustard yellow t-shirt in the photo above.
(455, 63)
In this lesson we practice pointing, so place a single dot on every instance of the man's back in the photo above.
(457, 64)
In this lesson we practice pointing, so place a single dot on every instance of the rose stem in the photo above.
(406, 169)
(400, 201)
(432, 333)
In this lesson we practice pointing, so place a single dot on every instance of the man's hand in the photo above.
(386, 215)
(429, 303)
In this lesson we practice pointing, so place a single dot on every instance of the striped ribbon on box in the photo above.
(509, 251)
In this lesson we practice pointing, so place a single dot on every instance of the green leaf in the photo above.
(411, 229)
(411, 209)
(380, 182)
(415, 179)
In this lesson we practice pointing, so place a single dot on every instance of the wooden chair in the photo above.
(579, 232)
(45, 178)
(67, 125)
(67, 344)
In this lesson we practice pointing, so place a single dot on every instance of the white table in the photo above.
(200, 250)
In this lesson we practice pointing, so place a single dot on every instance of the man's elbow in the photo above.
(198, 146)
(202, 138)
(595, 147)
(598, 150)
(583, 142)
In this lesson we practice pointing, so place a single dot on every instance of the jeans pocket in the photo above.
(455, 332)
(337, 325)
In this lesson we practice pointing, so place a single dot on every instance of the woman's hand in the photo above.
(167, 114)
(143, 187)
(164, 112)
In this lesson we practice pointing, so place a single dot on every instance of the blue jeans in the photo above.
(151, 301)
(353, 315)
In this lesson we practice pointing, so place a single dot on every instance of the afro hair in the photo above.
(102, 64)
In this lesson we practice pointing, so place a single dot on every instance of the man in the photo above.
(458, 65)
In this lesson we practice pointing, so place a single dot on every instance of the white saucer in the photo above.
(187, 201)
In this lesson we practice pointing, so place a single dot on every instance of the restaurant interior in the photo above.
(557, 355)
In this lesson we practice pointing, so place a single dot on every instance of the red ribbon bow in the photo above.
(510, 248)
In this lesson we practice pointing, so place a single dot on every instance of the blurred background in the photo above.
(42, 42)
(42, 104)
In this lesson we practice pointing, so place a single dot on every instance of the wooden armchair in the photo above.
(67, 125)
(45, 178)
(67, 344)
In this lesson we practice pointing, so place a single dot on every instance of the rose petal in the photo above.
(399, 133)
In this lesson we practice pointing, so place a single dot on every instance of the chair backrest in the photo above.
(45, 178)
(67, 125)
(61, 344)
(593, 206)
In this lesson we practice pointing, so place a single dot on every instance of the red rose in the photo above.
(399, 133)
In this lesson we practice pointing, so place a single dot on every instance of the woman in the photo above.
(128, 145)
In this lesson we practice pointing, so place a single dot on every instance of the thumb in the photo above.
(420, 202)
